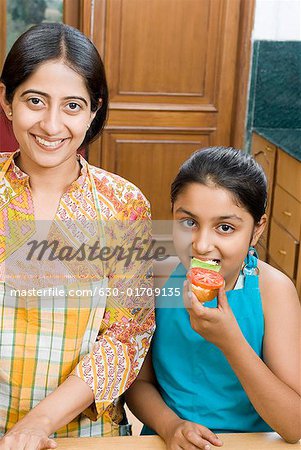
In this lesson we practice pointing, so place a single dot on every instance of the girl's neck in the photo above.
(231, 281)
(54, 180)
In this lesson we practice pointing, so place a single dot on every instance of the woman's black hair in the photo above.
(57, 41)
(226, 168)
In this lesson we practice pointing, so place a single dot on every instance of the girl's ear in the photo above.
(258, 230)
(4, 103)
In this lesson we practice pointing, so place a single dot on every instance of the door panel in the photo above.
(166, 52)
(171, 67)
(160, 60)
(151, 161)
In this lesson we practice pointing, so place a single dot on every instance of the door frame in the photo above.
(243, 73)
(2, 31)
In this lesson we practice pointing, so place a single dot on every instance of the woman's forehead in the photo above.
(55, 76)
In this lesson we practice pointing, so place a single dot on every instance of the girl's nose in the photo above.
(202, 242)
(51, 122)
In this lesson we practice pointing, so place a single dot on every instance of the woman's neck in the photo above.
(54, 180)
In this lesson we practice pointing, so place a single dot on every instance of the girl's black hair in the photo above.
(227, 168)
(57, 41)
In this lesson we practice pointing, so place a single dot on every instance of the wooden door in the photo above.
(171, 67)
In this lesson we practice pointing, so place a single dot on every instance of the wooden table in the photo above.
(244, 441)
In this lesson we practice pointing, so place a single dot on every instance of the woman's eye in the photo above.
(224, 228)
(74, 107)
(35, 101)
(188, 223)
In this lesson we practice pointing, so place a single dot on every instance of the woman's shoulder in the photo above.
(4, 156)
(5, 162)
(123, 196)
(275, 286)
(114, 181)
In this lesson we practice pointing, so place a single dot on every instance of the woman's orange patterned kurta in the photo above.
(65, 309)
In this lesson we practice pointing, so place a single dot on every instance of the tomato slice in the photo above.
(207, 279)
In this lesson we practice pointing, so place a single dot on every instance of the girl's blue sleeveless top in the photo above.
(195, 379)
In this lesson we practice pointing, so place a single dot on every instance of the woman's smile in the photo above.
(49, 143)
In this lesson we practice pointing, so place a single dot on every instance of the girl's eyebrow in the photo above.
(182, 210)
(33, 91)
(232, 216)
(189, 213)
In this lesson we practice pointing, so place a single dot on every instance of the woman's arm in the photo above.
(145, 401)
(272, 385)
(55, 411)
(129, 320)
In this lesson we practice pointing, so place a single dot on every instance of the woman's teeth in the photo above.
(48, 143)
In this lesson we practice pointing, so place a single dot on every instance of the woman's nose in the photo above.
(51, 122)
(202, 242)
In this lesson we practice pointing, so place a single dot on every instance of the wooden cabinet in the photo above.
(265, 154)
(281, 244)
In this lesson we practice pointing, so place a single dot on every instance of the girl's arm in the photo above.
(272, 385)
(280, 404)
(59, 408)
(145, 401)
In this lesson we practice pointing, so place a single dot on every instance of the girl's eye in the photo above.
(224, 228)
(74, 107)
(188, 223)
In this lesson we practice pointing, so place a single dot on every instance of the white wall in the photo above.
(277, 20)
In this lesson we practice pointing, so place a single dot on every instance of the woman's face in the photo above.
(210, 225)
(51, 112)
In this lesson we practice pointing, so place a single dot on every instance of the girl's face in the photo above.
(209, 224)
(51, 112)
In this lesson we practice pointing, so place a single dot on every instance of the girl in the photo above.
(232, 364)
(71, 340)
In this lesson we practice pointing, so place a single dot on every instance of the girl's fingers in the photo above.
(174, 447)
(190, 300)
(202, 437)
(222, 300)
(195, 441)
(187, 294)
(197, 307)
(50, 443)
(211, 437)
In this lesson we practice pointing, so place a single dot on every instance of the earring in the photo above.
(88, 126)
(10, 113)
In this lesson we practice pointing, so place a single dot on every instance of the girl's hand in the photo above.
(184, 435)
(217, 325)
(22, 437)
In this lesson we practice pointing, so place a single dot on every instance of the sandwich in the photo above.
(205, 279)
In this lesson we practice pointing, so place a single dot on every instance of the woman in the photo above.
(68, 269)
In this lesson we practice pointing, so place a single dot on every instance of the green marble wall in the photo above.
(275, 87)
